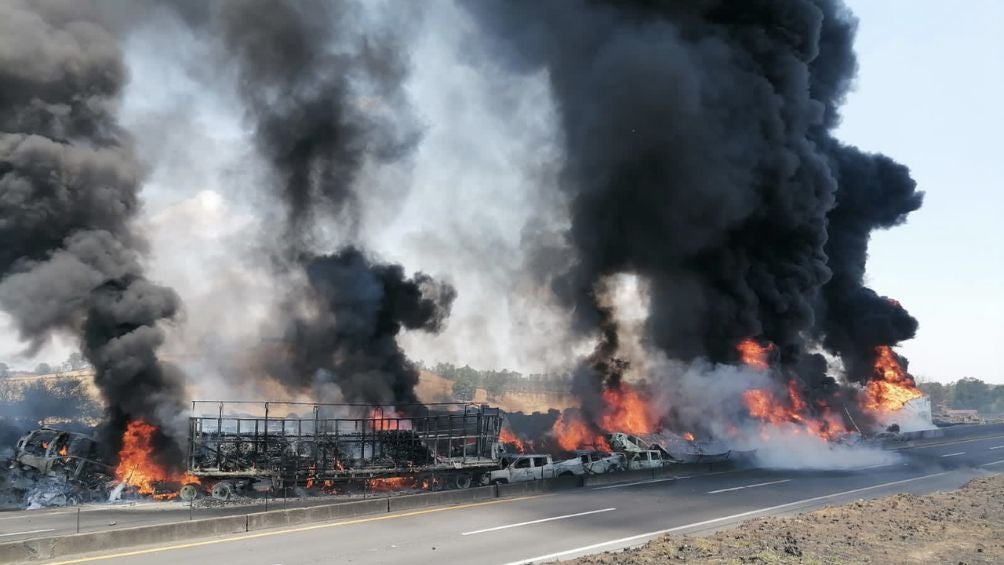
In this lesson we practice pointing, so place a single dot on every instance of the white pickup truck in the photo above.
(591, 463)
(648, 459)
(517, 468)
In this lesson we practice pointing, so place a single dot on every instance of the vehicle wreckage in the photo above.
(54, 467)
(434, 446)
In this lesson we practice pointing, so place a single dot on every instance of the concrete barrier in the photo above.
(534, 487)
(313, 514)
(424, 500)
(53, 547)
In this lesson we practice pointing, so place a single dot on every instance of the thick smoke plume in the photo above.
(355, 310)
(69, 183)
(699, 156)
(323, 90)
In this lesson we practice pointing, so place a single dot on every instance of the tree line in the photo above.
(466, 380)
(965, 394)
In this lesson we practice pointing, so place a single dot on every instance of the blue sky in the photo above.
(929, 93)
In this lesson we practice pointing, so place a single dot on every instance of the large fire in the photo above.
(507, 437)
(891, 387)
(623, 411)
(137, 467)
(792, 409)
(754, 354)
(771, 408)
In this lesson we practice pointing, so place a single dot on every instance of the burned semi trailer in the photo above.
(250, 447)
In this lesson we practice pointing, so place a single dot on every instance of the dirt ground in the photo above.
(959, 527)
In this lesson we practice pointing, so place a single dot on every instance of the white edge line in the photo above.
(507, 526)
(997, 447)
(875, 466)
(558, 554)
(748, 486)
(28, 532)
(954, 454)
(992, 463)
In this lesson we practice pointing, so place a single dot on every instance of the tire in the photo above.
(566, 474)
(189, 493)
(436, 483)
(223, 490)
(462, 481)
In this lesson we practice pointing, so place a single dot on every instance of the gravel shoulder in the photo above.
(958, 527)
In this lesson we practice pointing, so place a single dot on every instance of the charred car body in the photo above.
(56, 467)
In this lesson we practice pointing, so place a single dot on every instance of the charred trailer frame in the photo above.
(244, 444)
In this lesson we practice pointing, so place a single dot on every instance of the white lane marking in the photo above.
(748, 486)
(992, 463)
(997, 447)
(28, 532)
(876, 466)
(648, 482)
(507, 526)
(954, 454)
(677, 478)
(587, 548)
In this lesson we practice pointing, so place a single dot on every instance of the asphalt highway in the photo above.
(576, 522)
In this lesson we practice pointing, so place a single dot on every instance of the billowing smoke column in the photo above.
(324, 92)
(324, 98)
(357, 309)
(698, 155)
(69, 183)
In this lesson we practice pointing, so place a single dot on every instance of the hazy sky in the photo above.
(929, 93)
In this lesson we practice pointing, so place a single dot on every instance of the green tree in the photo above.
(76, 361)
(971, 394)
(937, 392)
(464, 389)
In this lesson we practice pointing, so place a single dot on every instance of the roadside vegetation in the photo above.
(964, 527)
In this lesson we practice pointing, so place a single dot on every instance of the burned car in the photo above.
(56, 468)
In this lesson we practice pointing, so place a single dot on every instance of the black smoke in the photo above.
(699, 156)
(69, 182)
(324, 92)
(355, 309)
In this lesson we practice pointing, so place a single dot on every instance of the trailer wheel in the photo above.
(223, 490)
(462, 481)
(189, 493)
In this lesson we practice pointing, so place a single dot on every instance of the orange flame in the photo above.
(626, 412)
(137, 467)
(770, 409)
(395, 483)
(64, 451)
(382, 422)
(753, 354)
(507, 437)
(891, 387)
(688, 436)
(623, 411)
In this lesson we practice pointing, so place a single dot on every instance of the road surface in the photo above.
(581, 521)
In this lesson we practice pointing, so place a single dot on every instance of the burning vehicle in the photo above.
(53, 467)
(435, 447)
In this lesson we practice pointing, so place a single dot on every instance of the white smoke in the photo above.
(709, 397)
